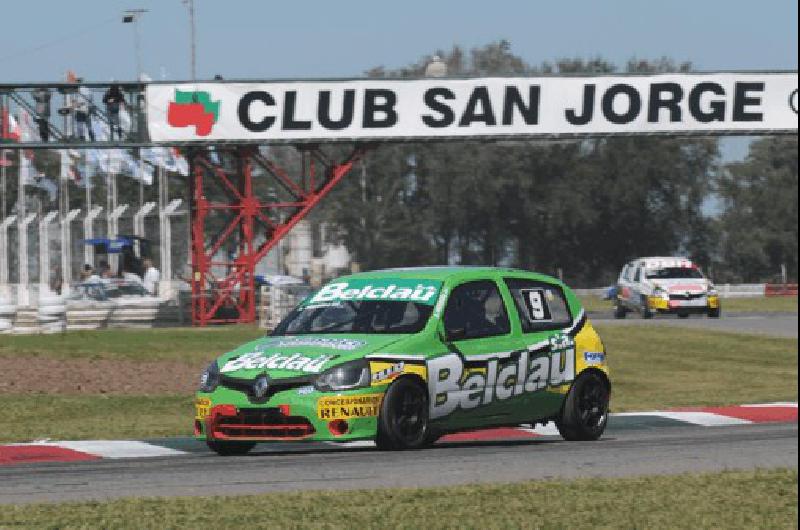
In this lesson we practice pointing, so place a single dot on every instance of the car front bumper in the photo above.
(299, 414)
(699, 305)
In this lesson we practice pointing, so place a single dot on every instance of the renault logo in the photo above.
(261, 386)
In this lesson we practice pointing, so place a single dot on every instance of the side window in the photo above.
(541, 306)
(625, 272)
(476, 310)
(638, 275)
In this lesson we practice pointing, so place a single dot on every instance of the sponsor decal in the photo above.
(313, 342)
(594, 357)
(452, 386)
(202, 407)
(305, 390)
(348, 407)
(277, 361)
(193, 109)
(388, 374)
(377, 290)
(478, 107)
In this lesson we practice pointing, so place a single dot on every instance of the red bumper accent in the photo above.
(226, 422)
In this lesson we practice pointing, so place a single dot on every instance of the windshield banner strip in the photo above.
(417, 291)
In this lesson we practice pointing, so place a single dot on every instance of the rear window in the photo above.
(541, 306)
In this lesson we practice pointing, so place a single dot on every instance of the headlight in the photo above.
(344, 377)
(210, 378)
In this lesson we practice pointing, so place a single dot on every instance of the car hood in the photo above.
(299, 355)
(682, 285)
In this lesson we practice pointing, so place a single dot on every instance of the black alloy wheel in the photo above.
(645, 308)
(224, 448)
(585, 412)
(403, 420)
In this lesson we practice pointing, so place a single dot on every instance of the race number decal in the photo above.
(536, 302)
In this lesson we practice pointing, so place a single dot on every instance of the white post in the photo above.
(113, 227)
(23, 294)
(44, 251)
(4, 255)
(88, 233)
(165, 288)
(66, 250)
(138, 218)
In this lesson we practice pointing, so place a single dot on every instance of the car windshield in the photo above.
(668, 273)
(356, 316)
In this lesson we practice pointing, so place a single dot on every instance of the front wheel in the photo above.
(645, 309)
(403, 420)
(585, 413)
(230, 448)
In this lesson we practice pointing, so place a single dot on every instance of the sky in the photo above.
(40, 40)
(268, 39)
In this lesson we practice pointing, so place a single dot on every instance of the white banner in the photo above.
(481, 107)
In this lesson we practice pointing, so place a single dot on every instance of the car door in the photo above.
(477, 328)
(544, 315)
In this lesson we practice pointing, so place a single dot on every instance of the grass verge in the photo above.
(27, 418)
(660, 367)
(753, 499)
(148, 344)
(772, 304)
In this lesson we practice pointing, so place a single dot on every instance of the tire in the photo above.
(230, 448)
(619, 310)
(403, 419)
(585, 412)
(646, 313)
(714, 313)
(683, 315)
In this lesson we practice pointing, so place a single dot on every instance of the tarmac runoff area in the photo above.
(659, 442)
(775, 324)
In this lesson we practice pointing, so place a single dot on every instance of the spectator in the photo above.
(114, 100)
(56, 280)
(88, 275)
(84, 107)
(151, 277)
(105, 270)
(41, 98)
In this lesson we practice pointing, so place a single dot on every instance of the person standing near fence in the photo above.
(114, 100)
(41, 99)
(84, 106)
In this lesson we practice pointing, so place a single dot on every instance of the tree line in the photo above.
(577, 209)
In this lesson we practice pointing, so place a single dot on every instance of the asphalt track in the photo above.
(622, 452)
(775, 324)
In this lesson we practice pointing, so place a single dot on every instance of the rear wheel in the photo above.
(403, 421)
(683, 315)
(230, 448)
(619, 310)
(585, 411)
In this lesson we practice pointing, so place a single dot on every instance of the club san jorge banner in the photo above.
(377, 109)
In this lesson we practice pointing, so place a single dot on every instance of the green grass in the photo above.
(27, 418)
(150, 344)
(658, 367)
(750, 499)
(772, 304)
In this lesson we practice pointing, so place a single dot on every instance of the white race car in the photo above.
(665, 285)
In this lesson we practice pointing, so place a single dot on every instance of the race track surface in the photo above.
(622, 452)
(777, 324)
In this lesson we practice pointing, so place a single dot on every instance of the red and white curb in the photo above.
(87, 450)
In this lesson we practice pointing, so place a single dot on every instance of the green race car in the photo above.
(404, 356)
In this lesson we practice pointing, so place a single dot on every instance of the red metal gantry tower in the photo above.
(246, 226)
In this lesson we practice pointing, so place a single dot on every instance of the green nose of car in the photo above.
(405, 356)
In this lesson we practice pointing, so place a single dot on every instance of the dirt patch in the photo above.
(40, 375)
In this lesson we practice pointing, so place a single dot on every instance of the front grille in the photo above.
(686, 296)
(261, 424)
(245, 386)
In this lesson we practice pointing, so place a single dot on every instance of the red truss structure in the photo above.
(230, 236)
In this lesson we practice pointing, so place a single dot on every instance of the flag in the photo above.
(9, 127)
